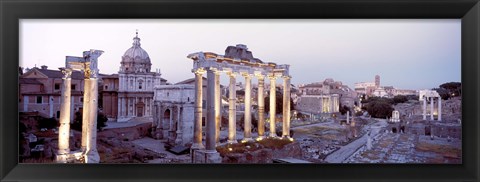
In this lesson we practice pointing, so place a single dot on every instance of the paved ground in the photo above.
(346, 151)
(130, 123)
(409, 148)
(158, 147)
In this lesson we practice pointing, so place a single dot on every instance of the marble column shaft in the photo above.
(86, 113)
(424, 108)
(232, 94)
(431, 108)
(248, 107)
(218, 98)
(64, 129)
(91, 152)
(272, 106)
(261, 106)
(439, 109)
(197, 127)
(286, 106)
(210, 128)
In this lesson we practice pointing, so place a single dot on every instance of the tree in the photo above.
(278, 103)
(48, 123)
(454, 88)
(400, 99)
(343, 109)
(444, 93)
(77, 121)
(379, 109)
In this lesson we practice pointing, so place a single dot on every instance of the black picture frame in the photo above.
(11, 11)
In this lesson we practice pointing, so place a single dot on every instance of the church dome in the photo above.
(135, 58)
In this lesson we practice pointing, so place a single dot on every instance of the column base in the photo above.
(72, 157)
(249, 139)
(272, 135)
(232, 141)
(259, 138)
(197, 146)
(178, 140)
(206, 156)
(287, 137)
(92, 157)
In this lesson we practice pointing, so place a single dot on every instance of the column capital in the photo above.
(244, 74)
(67, 72)
(231, 74)
(199, 71)
(272, 77)
(260, 76)
(286, 77)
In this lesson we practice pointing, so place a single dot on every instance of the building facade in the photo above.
(136, 83)
(325, 97)
(40, 91)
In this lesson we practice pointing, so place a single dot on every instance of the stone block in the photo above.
(206, 156)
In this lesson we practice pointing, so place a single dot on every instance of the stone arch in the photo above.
(166, 115)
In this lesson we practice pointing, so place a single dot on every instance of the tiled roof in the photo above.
(58, 74)
(29, 81)
(188, 81)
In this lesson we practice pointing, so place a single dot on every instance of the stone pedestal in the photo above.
(206, 156)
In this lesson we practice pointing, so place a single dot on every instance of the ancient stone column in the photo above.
(64, 129)
(218, 98)
(247, 136)
(261, 106)
(179, 140)
(86, 113)
(197, 127)
(91, 152)
(286, 107)
(232, 94)
(431, 108)
(119, 114)
(424, 107)
(272, 106)
(210, 133)
(348, 117)
(439, 109)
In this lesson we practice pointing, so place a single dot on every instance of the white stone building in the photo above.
(136, 83)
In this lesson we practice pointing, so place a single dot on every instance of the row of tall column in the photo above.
(213, 108)
(439, 108)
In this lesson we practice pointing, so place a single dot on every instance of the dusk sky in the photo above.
(407, 54)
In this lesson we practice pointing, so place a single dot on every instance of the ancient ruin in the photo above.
(237, 61)
(88, 153)
(431, 95)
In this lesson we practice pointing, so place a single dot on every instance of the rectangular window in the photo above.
(73, 86)
(57, 86)
(204, 104)
(81, 99)
(39, 99)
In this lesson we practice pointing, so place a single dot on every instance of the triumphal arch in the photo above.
(88, 153)
(237, 62)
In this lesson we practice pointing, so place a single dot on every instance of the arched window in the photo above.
(140, 85)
